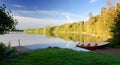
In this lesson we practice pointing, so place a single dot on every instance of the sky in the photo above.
(42, 13)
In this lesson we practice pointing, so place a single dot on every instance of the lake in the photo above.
(36, 41)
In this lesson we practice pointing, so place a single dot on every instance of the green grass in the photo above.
(56, 56)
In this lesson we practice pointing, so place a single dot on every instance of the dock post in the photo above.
(9, 44)
(19, 42)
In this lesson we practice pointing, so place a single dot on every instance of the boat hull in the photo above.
(93, 47)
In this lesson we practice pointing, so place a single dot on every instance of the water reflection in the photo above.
(36, 41)
(76, 37)
(62, 40)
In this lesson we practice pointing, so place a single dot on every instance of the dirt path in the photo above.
(108, 50)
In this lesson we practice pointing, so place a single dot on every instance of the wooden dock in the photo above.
(22, 49)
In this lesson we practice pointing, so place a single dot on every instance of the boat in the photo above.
(93, 46)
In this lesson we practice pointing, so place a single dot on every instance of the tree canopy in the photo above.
(115, 40)
(7, 23)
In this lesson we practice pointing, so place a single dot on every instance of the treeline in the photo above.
(99, 25)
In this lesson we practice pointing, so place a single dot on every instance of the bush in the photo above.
(5, 52)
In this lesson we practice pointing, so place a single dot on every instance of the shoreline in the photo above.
(108, 50)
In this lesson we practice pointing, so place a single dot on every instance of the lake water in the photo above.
(36, 41)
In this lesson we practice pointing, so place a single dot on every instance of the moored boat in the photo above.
(93, 46)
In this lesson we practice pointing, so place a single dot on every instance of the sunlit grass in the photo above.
(56, 56)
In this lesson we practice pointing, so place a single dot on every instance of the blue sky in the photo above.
(41, 13)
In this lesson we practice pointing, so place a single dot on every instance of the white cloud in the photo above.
(70, 20)
(16, 5)
(68, 17)
(28, 22)
(48, 12)
(56, 14)
(92, 1)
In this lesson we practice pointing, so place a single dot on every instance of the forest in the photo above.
(99, 25)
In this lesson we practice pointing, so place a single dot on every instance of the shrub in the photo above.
(5, 52)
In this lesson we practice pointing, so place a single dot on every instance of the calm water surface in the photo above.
(36, 41)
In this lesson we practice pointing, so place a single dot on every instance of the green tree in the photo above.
(115, 41)
(7, 23)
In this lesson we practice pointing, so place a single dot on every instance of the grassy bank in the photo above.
(54, 56)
